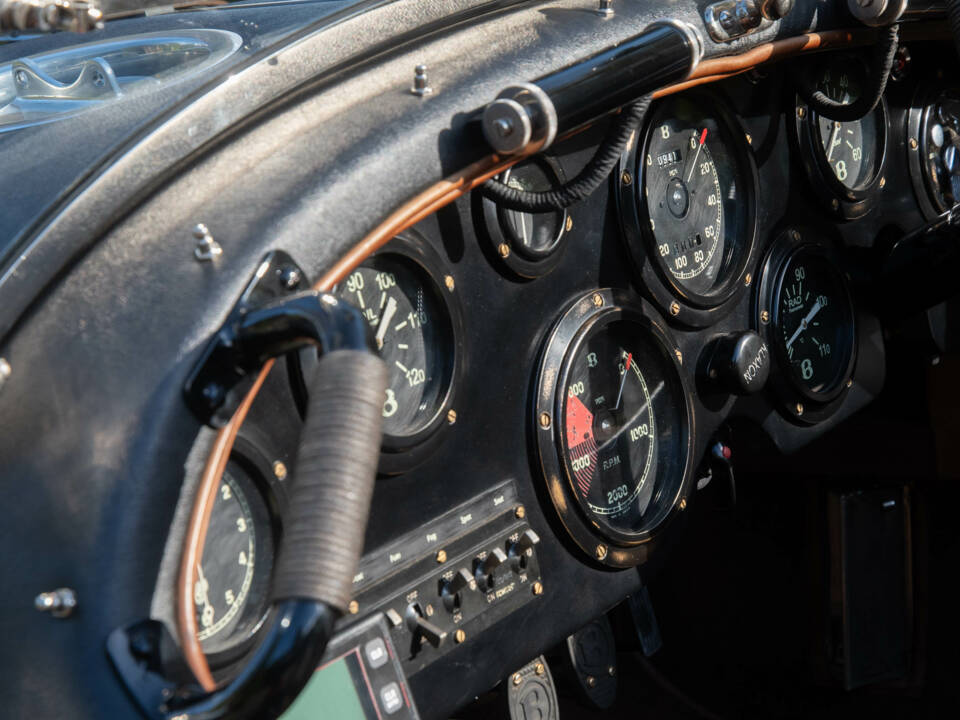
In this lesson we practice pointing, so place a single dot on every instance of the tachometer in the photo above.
(613, 425)
(933, 129)
(691, 215)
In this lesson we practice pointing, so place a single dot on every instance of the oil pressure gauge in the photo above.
(807, 315)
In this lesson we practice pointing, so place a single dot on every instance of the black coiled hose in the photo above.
(817, 100)
(586, 181)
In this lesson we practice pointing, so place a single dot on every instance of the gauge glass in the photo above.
(232, 576)
(413, 332)
(814, 322)
(695, 197)
(940, 148)
(621, 428)
(851, 149)
(532, 235)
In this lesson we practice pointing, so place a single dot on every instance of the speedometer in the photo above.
(690, 218)
(613, 425)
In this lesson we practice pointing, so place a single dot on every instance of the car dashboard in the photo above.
(561, 386)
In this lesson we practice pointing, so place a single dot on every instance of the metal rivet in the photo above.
(448, 281)
(674, 308)
(799, 408)
(421, 85)
(606, 8)
(207, 248)
(537, 588)
(354, 607)
(517, 678)
(459, 636)
(913, 143)
(544, 420)
(451, 416)
(279, 470)
(520, 513)
(597, 300)
(764, 316)
(591, 681)
(601, 552)
(441, 556)
(801, 112)
(60, 602)
(626, 178)
(611, 671)
(683, 503)
(679, 355)
(569, 223)
(539, 669)
(748, 279)
(504, 250)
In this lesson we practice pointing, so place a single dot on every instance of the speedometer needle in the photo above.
(385, 319)
(623, 381)
(833, 140)
(703, 139)
(805, 322)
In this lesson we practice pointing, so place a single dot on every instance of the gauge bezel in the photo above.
(917, 118)
(400, 453)
(795, 401)
(844, 202)
(587, 313)
(493, 231)
(660, 286)
(254, 470)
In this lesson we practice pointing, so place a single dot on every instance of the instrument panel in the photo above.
(573, 355)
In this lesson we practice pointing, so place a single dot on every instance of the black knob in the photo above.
(739, 363)
(484, 571)
(451, 589)
(423, 628)
(519, 551)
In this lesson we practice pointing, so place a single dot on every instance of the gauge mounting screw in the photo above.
(913, 143)
(539, 669)
(597, 300)
(883, 181)
(591, 681)
(674, 308)
(835, 204)
(520, 513)
(449, 283)
(794, 235)
(611, 670)
(626, 178)
(517, 679)
(538, 588)
(459, 636)
(207, 248)
(679, 355)
(504, 250)
(801, 112)
(353, 608)
(799, 409)
(850, 383)
(683, 503)
(421, 84)
(544, 420)
(451, 416)
(60, 602)
(601, 552)
(748, 279)
(441, 556)
(279, 470)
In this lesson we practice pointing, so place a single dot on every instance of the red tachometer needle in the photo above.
(623, 381)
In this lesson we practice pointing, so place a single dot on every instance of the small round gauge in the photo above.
(233, 574)
(934, 141)
(413, 333)
(529, 244)
(813, 322)
(621, 440)
(844, 159)
(694, 206)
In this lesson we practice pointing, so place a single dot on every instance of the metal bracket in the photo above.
(217, 383)
(96, 81)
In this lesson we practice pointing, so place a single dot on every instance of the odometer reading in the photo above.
(814, 322)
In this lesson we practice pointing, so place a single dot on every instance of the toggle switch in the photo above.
(423, 628)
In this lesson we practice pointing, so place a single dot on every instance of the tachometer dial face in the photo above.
(694, 196)
(814, 324)
(849, 148)
(231, 578)
(413, 333)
